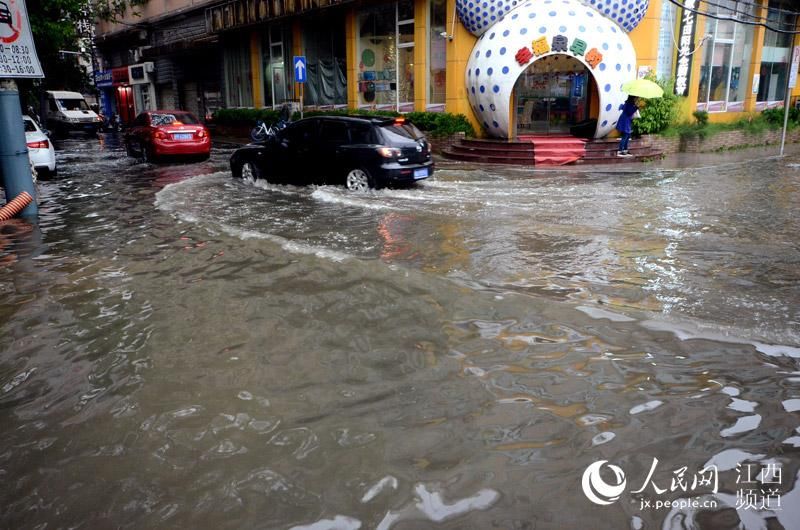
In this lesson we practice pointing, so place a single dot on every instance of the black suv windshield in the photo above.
(400, 133)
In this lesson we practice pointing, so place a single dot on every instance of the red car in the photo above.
(158, 133)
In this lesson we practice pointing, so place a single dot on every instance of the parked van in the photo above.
(68, 111)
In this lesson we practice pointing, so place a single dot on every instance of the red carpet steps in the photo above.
(541, 150)
(555, 150)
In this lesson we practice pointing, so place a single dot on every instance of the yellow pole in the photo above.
(297, 49)
(421, 9)
(645, 36)
(352, 61)
(256, 79)
(755, 59)
(458, 50)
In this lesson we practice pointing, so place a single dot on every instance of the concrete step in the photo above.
(603, 151)
(492, 149)
(496, 144)
(484, 158)
(638, 156)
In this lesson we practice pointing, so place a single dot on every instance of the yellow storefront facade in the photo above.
(447, 55)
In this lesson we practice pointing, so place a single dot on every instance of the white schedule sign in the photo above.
(17, 52)
(795, 63)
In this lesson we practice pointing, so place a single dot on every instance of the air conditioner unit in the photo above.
(149, 68)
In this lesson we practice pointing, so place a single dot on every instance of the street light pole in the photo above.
(785, 114)
(791, 82)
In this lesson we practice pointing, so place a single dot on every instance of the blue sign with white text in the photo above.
(299, 63)
(103, 79)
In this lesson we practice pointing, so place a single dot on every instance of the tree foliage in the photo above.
(113, 9)
(657, 113)
(65, 25)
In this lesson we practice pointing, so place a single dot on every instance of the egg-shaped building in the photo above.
(547, 66)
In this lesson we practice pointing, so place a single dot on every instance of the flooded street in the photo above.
(179, 349)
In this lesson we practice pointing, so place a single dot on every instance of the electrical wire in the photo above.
(761, 6)
(736, 11)
(697, 46)
(733, 19)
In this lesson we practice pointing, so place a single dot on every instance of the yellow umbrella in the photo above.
(643, 88)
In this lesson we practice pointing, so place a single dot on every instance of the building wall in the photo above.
(643, 36)
(154, 9)
(460, 44)
(458, 50)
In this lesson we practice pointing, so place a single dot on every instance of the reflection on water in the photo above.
(180, 349)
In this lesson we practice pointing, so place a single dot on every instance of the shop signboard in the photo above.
(239, 13)
(17, 52)
(139, 74)
(103, 79)
(119, 76)
(686, 33)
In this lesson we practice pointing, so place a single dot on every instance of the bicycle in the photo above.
(262, 131)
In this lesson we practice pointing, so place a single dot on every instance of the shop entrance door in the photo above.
(551, 96)
(125, 106)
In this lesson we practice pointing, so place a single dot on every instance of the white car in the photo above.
(40, 148)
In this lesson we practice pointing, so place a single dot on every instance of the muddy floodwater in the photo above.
(494, 348)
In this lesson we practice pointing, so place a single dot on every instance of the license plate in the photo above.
(182, 136)
(421, 173)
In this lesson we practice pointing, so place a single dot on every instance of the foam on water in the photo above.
(597, 313)
(364, 200)
(173, 197)
(688, 331)
(339, 522)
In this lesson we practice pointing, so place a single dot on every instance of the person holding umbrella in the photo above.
(625, 124)
(637, 88)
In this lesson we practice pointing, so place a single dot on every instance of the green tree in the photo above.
(65, 25)
(658, 113)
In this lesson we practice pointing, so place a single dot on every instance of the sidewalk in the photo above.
(671, 162)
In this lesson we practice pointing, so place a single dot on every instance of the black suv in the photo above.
(356, 151)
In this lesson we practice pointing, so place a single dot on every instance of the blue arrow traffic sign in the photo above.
(299, 68)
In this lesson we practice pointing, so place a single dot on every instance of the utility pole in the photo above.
(785, 115)
(14, 163)
(790, 84)
(19, 60)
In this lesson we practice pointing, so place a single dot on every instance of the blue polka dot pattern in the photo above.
(627, 13)
(478, 17)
